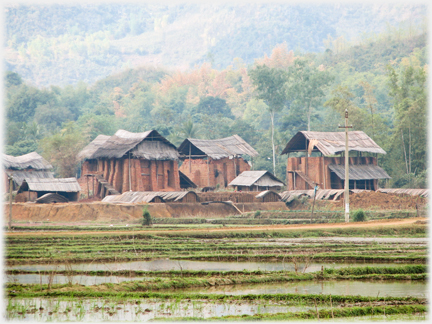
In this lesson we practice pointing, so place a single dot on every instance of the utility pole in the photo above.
(346, 195)
(10, 202)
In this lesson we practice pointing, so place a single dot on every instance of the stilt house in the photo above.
(29, 166)
(209, 163)
(130, 162)
(323, 162)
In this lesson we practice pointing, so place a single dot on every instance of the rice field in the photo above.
(267, 274)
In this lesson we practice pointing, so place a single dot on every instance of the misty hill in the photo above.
(61, 44)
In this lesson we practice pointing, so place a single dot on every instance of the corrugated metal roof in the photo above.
(88, 151)
(31, 160)
(139, 144)
(51, 185)
(51, 198)
(259, 178)
(360, 172)
(146, 196)
(321, 194)
(265, 193)
(401, 191)
(219, 148)
(19, 175)
(330, 143)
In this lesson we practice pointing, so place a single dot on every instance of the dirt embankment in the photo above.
(367, 200)
(380, 200)
(104, 212)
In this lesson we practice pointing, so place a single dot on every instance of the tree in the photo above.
(306, 86)
(408, 90)
(61, 149)
(270, 87)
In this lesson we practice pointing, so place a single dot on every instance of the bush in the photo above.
(147, 220)
(359, 216)
(257, 214)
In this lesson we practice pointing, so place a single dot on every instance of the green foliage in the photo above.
(62, 148)
(147, 219)
(359, 216)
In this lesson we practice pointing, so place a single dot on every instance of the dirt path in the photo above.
(378, 223)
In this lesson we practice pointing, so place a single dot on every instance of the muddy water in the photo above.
(166, 265)
(96, 310)
(340, 287)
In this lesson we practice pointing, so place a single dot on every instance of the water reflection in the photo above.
(167, 264)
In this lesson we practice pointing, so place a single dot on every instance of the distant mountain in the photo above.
(63, 44)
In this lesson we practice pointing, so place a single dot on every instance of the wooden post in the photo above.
(306, 164)
(130, 185)
(208, 171)
(10, 202)
(190, 168)
(313, 205)
(346, 195)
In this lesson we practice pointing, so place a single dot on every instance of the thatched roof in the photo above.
(256, 178)
(217, 148)
(330, 143)
(149, 145)
(360, 172)
(28, 161)
(50, 185)
(88, 151)
(19, 175)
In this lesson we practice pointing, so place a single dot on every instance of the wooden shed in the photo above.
(212, 163)
(323, 163)
(36, 188)
(256, 181)
(130, 162)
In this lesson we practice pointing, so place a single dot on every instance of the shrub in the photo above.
(147, 219)
(257, 214)
(359, 216)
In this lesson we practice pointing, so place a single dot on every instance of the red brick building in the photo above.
(322, 161)
(209, 163)
(129, 162)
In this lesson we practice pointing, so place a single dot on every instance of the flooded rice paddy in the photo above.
(99, 310)
(167, 264)
(340, 287)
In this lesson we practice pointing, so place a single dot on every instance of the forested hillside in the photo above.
(64, 44)
(381, 81)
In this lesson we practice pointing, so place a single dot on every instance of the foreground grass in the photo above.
(218, 246)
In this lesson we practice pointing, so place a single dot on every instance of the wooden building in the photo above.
(256, 181)
(211, 163)
(29, 166)
(323, 163)
(34, 188)
(127, 161)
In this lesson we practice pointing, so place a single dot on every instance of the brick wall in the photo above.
(318, 171)
(145, 175)
(210, 173)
